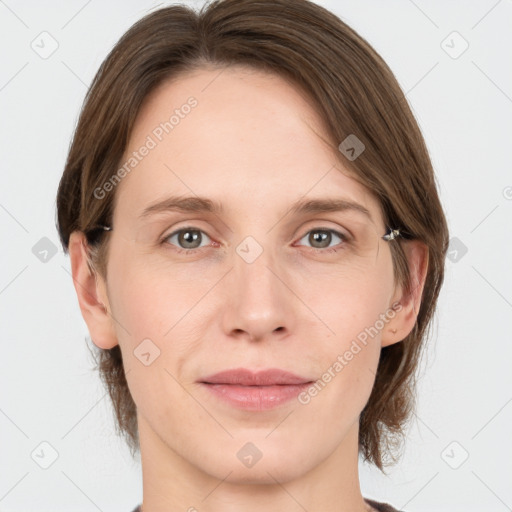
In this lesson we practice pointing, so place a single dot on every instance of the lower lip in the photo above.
(256, 398)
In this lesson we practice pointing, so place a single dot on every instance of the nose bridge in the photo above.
(258, 304)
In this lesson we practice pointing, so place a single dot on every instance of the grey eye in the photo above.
(322, 238)
(188, 238)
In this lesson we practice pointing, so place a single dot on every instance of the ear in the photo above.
(406, 303)
(91, 291)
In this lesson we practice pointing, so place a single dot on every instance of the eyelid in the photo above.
(323, 225)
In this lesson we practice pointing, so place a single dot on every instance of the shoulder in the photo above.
(380, 507)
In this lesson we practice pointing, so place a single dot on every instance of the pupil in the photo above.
(321, 236)
(189, 237)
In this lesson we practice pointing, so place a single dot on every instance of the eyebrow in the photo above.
(204, 205)
(183, 204)
(328, 205)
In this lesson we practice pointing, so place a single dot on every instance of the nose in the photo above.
(259, 305)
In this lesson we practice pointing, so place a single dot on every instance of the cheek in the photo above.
(355, 310)
(350, 303)
(347, 360)
(148, 301)
(149, 314)
(157, 318)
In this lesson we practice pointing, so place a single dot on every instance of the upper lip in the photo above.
(245, 377)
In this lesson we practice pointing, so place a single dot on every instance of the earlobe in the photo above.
(91, 294)
(408, 300)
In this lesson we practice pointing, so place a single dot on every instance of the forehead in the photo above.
(245, 138)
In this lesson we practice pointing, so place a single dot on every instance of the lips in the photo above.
(255, 391)
(243, 377)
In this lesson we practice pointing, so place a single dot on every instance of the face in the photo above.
(246, 279)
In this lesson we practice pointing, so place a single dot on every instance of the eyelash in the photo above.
(344, 240)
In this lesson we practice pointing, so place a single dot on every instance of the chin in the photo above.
(260, 461)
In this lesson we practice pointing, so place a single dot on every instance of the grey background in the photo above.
(48, 390)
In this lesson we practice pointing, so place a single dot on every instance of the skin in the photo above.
(255, 144)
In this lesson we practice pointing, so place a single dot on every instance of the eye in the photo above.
(186, 239)
(321, 238)
(189, 239)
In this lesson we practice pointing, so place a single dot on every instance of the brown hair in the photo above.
(354, 92)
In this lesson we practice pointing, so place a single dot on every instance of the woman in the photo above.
(257, 246)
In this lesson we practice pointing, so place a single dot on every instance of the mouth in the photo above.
(255, 391)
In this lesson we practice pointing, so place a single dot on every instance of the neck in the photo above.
(170, 482)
